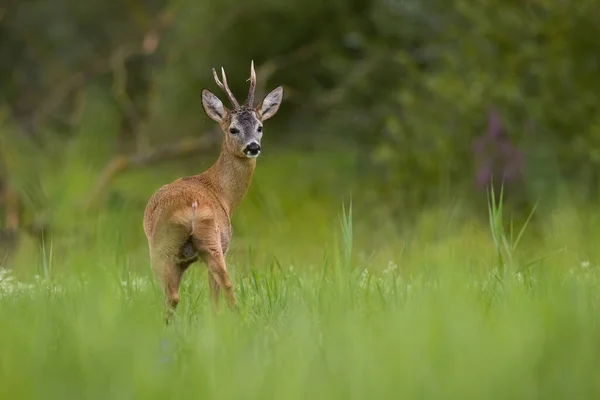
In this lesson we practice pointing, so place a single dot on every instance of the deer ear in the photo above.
(213, 107)
(269, 106)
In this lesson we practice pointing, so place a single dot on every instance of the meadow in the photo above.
(455, 307)
(367, 257)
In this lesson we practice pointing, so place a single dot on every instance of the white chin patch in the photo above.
(253, 155)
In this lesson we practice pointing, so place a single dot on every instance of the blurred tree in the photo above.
(421, 88)
(533, 62)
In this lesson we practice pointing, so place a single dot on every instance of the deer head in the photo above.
(242, 125)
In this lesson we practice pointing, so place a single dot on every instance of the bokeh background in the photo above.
(409, 109)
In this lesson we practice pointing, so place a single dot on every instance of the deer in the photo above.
(189, 219)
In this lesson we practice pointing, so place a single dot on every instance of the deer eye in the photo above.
(234, 131)
(259, 129)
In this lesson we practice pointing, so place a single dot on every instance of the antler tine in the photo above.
(252, 85)
(229, 93)
(223, 85)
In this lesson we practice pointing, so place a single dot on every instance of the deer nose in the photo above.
(252, 150)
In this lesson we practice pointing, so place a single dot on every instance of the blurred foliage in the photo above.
(528, 65)
(414, 103)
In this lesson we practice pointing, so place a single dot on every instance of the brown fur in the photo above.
(189, 219)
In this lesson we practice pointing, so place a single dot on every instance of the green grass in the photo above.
(470, 313)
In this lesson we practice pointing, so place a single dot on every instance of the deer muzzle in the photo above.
(252, 150)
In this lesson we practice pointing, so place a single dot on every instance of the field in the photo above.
(470, 310)
(368, 257)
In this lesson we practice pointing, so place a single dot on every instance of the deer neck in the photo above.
(231, 176)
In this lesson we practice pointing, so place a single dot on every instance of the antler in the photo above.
(225, 87)
(252, 85)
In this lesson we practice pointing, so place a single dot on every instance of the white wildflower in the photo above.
(391, 267)
(10, 285)
(138, 283)
(364, 276)
(520, 277)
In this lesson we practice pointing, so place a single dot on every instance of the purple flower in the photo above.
(495, 155)
(494, 125)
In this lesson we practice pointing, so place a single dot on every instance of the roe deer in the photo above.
(189, 219)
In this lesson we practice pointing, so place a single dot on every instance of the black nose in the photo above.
(252, 149)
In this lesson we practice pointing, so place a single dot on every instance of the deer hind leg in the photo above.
(215, 290)
(168, 272)
(220, 279)
(207, 241)
(167, 266)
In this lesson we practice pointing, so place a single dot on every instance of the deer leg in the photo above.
(169, 273)
(166, 251)
(218, 270)
(214, 290)
(207, 241)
